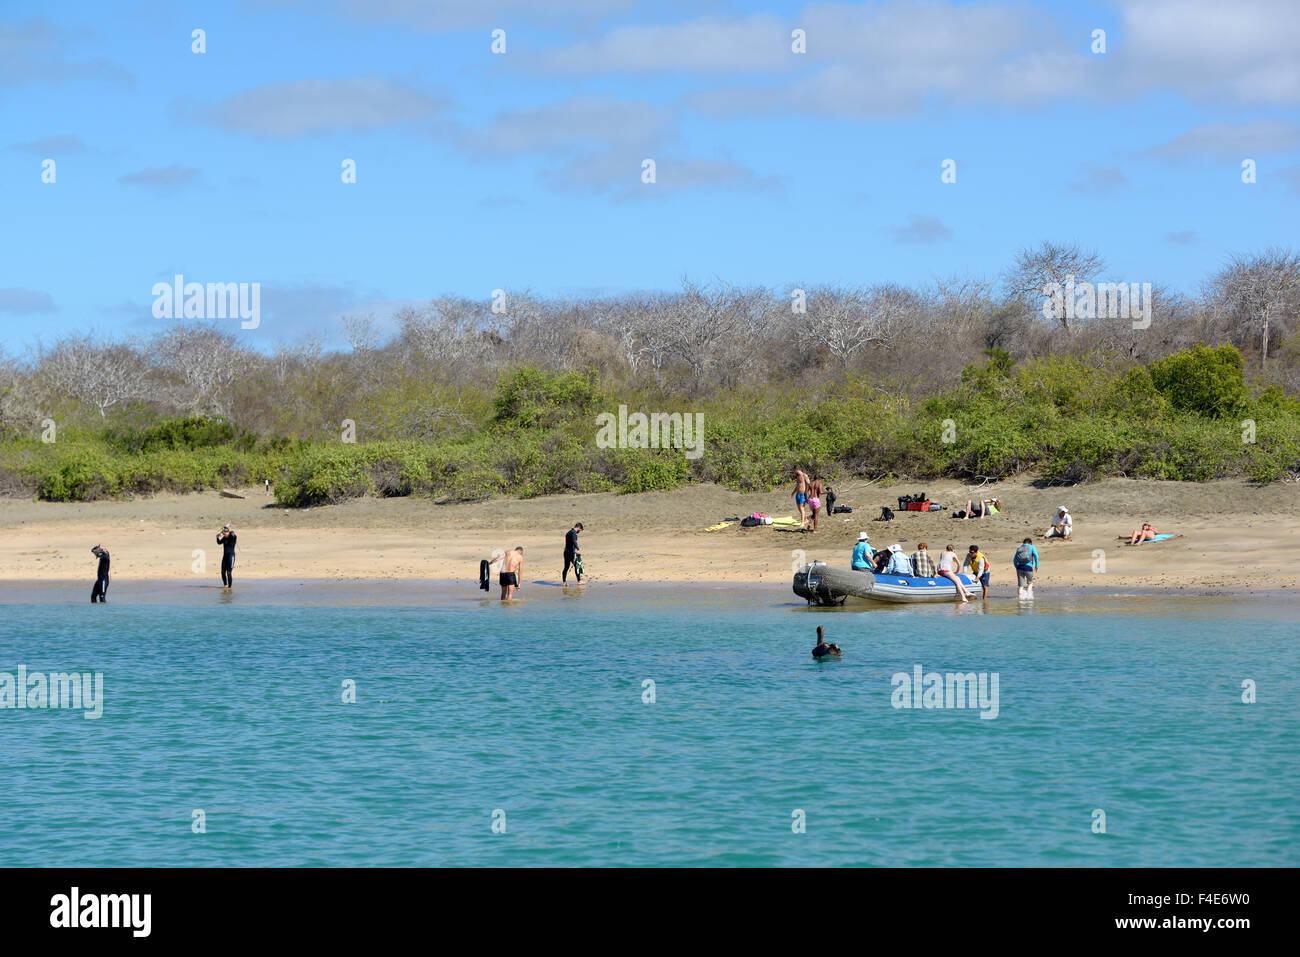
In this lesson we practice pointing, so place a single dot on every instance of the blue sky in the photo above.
(522, 170)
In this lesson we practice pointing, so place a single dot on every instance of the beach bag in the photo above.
(1024, 555)
(886, 514)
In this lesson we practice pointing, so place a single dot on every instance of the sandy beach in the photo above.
(1233, 536)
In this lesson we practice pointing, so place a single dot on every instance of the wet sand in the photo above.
(1234, 537)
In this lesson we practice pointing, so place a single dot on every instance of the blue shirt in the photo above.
(899, 564)
(862, 555)
(1033, 550)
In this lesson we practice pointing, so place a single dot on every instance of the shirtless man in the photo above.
(512, 566)
(801, 485)
(815, 493)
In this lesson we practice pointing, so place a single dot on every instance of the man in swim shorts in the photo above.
(512, 566)
(978, 564)
(801, 483)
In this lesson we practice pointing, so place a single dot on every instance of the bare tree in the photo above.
(847, 320)
(1036, 269)
(361, 331)
(696, 321)
(206, 362)
(99, 376)
(1264, 289)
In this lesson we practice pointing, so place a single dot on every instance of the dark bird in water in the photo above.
(824, 650)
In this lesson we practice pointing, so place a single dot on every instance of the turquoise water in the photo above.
(464, 707)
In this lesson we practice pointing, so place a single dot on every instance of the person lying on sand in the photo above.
(824, 650)
(986, 506)
(1144, 534)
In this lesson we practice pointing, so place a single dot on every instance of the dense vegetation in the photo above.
(1189, 416)
(465, 402)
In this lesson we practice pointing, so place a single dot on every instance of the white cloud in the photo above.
(292, 109)
(1231, 141)
(921, 229)
(164, 177)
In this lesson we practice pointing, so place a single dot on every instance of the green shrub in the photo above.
(1203, 381)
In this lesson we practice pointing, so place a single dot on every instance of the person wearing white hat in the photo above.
(862, 554)
(899, 563)
(1062, 524)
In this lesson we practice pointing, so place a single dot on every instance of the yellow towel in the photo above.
(714, 528)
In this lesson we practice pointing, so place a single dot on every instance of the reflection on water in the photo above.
(637, 596)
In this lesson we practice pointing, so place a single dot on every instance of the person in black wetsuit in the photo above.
(571, 556)
(226, 539)
(100, 591)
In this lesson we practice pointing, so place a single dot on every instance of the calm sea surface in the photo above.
(537, 716)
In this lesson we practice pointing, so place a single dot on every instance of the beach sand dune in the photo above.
(1233, 535)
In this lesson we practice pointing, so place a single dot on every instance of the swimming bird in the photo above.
(824, 650)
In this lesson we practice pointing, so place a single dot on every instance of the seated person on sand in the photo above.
(985, 506)
(824, 650)
(862, 554)
(1062, 524)
(1144, 534)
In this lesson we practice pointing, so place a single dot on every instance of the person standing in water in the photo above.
(512, 566)
(824, 650)
(100, 591)
(572, 557)
(1026, 561)
(226, 538)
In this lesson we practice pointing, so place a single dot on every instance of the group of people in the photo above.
(809, 493)
(512, 564)
(226, 538)
(893, 561)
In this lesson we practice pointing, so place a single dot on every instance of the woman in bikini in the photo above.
(948, 565)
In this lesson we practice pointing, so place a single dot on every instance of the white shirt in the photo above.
(946, 561)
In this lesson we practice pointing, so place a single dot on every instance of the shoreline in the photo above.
(1236, 539)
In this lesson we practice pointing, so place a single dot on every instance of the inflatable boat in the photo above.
(822, 584)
